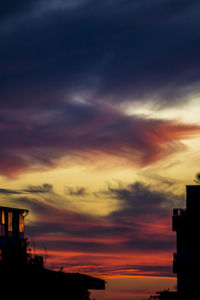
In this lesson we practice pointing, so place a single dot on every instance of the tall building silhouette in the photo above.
(186, 264)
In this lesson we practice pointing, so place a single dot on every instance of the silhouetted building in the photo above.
(23, 274)
(12, 241)
(186, 264)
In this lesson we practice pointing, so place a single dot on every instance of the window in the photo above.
(10, 221)
(2, 223)
(2, 217)
(21, 223)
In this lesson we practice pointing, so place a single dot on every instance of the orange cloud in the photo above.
(85, 134)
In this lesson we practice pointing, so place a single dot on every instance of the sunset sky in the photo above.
(100, 132)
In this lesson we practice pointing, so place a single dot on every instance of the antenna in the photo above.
(197, 180)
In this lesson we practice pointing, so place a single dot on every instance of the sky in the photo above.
(99, 132)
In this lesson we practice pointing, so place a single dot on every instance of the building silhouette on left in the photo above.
(12, 241)
(23, 274)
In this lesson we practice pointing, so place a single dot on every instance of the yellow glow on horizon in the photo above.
(136, 286)
(140, 276)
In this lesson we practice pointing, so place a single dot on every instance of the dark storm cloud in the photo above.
(111, 50)
(37, 139)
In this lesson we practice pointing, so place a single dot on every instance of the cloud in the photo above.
(45, 188)
(139, 231)
(76, 191)
(7, 191)
(109, 51)
(32, 189)
(67, 70)
(142, 198)
(78, 133)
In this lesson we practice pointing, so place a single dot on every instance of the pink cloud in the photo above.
(38, 140)
(134, 241)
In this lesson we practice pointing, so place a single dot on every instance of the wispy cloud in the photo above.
(105, 54)
(69, 70)
(76, 191)
(139, 231)
(45, 188)
(31, 189)
(7, 191)
(86, 133)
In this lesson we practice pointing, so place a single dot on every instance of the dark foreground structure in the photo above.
(23, 275)
(186, 263)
